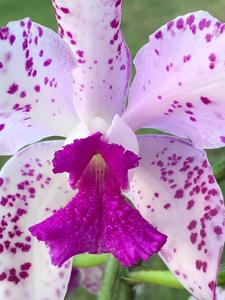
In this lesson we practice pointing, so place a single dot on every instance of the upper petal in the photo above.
(29, 193)
(179, 85)
(175, 190)
(92, 29)
(36, 89)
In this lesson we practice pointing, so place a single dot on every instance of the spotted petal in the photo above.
(92, 29)
(220, 294)
(175, 190)
(36, 88)
(179, 85)
(28, 194)
(91, 278)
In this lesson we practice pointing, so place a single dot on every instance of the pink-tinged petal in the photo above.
(74, 158)
(175, 190)
(92, 29)
(98, 219)
(179, 85)
(29, 193)
(36, 88)
(88, 278)
(220, 294)
(119, 161)
(69, 159)
(91, 278)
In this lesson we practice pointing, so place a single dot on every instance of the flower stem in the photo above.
(89, 260)
(113, 286)
(219, 170)
(163, 278)
(122, 290)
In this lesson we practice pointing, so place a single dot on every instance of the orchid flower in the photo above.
(75, 85)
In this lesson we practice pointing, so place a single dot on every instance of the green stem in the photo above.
(221, 278)
(219, 170)
(113, 287)
(122, 290)
(163, 278)
(89, 260)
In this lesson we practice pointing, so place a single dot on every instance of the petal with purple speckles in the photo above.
(98, 219)
(220, 294)
(28, 194)
(88, 278)
(179, 88)
(91, 278)
(36, 85)
(175, 190)
(92, 29)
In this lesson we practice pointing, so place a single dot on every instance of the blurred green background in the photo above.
(141, 17)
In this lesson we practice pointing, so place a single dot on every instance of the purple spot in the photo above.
(190, 204)
(212, 285)
(41, 53)
(37, 88)
(47, 62)
(212, 57)
(23, 94)
(192, 225)
(12, 39)
(180, 23)
(29, 64)
(13, 89)
(167, 206)
(64, 10)
(189, 104)
(40, 31)
(159, 35)
(115, 23)
(2, 126)
(205, 100)
(218, 230)
(222, 138)
(190, 19)
(80, 53)
(179, 194)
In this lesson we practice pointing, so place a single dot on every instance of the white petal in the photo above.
(174, 189)
(120, 133)
(29, 193)
(92, 29)
(36, 88)
(179, 85)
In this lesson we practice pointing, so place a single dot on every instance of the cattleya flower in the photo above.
(75, 86)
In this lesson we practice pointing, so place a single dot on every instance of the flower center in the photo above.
(83, 129)
(98, 219)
